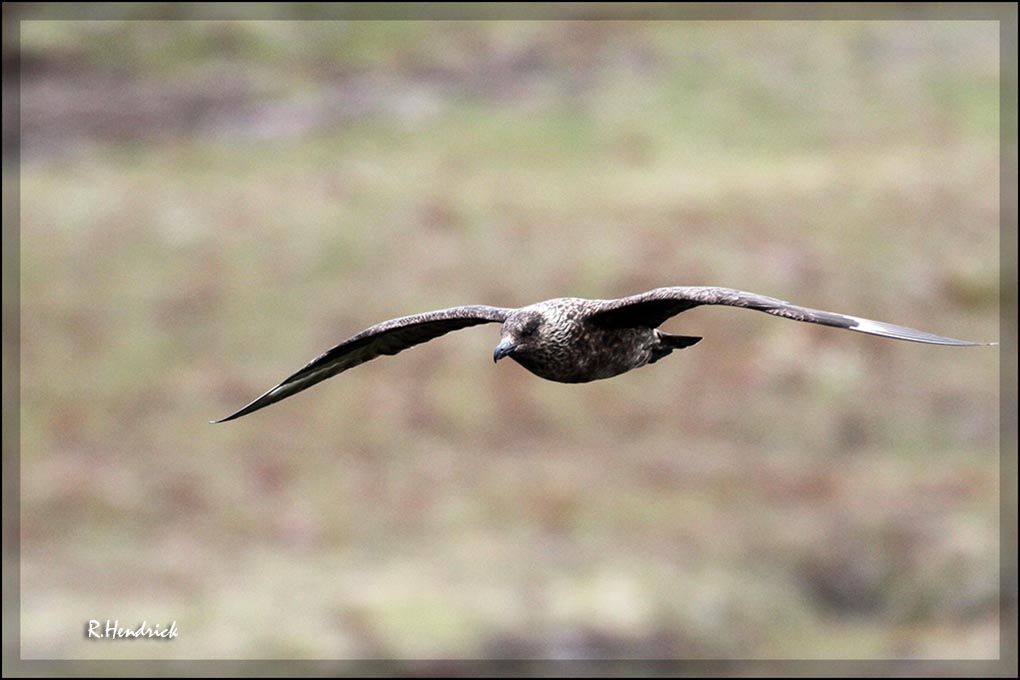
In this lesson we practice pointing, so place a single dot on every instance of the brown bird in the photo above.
(571, 340)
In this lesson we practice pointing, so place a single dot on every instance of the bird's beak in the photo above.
(505, 347)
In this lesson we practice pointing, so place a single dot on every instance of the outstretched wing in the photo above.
(388, 337)
(652, 308)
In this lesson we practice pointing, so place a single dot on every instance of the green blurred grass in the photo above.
(780, 491)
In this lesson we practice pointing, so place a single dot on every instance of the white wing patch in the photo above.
(889, 330)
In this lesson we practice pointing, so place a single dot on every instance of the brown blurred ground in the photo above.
(205, 206)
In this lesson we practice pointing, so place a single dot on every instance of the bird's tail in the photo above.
(668, 343)
(678, 341)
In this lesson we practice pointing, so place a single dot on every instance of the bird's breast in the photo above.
(578, 352)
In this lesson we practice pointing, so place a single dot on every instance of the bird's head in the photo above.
(521, 332)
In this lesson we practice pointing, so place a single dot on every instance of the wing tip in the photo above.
(896, 332)
(263, 400)
(232, 416)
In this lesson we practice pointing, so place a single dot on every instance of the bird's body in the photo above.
(572, 340)
(575, 349)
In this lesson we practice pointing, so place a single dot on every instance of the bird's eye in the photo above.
(529, 328)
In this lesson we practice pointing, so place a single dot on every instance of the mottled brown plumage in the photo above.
(571, 340)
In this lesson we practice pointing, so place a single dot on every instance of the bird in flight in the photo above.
(571, 340)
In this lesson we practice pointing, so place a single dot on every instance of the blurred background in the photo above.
(207, 205)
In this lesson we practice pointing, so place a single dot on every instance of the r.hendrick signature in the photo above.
(113, 631)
